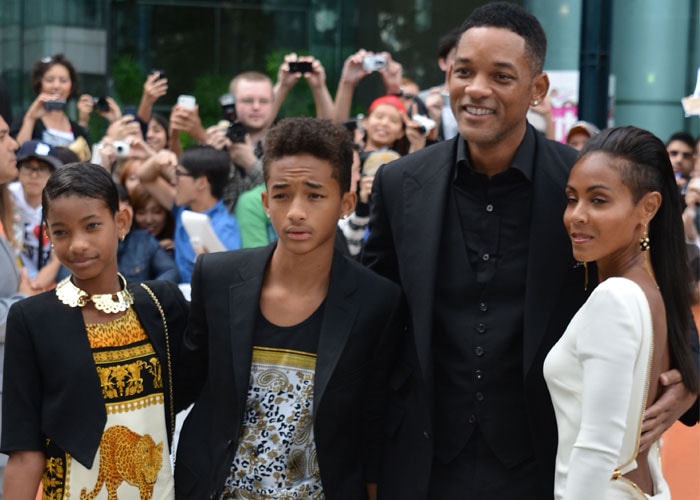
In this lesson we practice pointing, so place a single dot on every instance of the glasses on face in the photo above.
(686, 156)
(41, 171)
(182, 173)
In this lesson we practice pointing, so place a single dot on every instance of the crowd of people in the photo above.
(433, 300)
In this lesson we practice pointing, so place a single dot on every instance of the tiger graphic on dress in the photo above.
(126, 456)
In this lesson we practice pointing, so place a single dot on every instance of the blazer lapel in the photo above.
(243, 300)
(424, 200)
(336, 325)
(550, 255)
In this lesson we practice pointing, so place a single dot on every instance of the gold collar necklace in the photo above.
(112, 303)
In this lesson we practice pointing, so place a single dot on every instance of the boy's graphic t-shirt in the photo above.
(276, 455)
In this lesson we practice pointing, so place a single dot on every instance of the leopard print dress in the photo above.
(133, 460)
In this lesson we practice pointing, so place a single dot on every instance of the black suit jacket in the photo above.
(408, 207)
(357, 338)
(59, 395)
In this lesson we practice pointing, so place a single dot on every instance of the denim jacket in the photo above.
(141, 258)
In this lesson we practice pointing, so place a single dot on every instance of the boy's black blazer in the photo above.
(357, 338)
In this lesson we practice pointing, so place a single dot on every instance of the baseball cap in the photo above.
(390, 100)
(40, 151)
(582, 126)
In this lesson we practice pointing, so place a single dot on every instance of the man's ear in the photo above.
(201, 183)
(540, 87)
(347, 203)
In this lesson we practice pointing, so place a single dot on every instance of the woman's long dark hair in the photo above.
(646, 167)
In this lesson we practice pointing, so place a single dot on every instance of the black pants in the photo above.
(477, 474)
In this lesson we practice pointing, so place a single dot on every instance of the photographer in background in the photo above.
(247, 111)
(54, 81)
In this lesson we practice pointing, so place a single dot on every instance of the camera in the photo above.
(425, 124)
(228, 107)
(300, 67)
(100, 104)
(160, 72)
(121, 149)
(55, 105)
(374, 62)
(236, 132)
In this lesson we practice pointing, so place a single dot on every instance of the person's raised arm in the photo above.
(391, 74)
(317, 82)
(35, 112)
(154, 88)
(285, 81)
(351, 75)
(185, 120)
(152, 174)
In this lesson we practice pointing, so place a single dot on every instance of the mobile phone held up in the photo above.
(374, 62)
(187, 101)
(55, 105)
(161, 73)
(100, 104)
(300, 67)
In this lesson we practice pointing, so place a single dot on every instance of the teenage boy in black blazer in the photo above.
(288, 345)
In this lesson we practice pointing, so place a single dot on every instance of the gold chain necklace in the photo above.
(111, 303)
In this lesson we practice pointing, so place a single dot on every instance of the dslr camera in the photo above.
(236, 131)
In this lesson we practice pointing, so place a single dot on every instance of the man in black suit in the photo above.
(472, 230)
(288, 345)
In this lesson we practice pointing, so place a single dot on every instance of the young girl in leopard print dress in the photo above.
(88, 404)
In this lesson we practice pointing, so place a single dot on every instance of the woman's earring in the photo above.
(644, 242)
(536, 102)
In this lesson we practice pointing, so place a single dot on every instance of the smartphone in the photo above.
(187, 101)
(100, 104)
(161, 73)
(55, 105)
(300, 67)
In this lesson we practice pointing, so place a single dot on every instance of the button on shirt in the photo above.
(479, 308)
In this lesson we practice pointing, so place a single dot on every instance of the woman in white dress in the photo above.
(623, 212)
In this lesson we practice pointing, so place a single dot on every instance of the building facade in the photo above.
(201, 44)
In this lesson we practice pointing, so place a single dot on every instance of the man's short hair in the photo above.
(215, 164)
(319, 138)
(447, 42)
(251, 76)
(682, 137)
(516, 19)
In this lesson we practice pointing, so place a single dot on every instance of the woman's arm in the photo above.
(23, 475)
(34, 113)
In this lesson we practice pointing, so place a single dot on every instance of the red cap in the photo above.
(391, 100)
